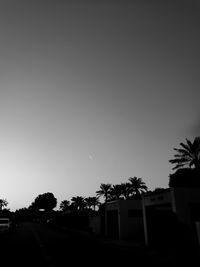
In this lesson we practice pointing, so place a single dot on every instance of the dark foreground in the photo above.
(40, 245)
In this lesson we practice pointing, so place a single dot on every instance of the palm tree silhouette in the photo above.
(104, 191)
(116, 191)
(3, 203)
(92, 202)
(125, 190)
(188, 155)
(65, 205)
(78, 202)
(137, 186)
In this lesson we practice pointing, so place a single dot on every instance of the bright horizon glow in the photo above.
(94, 93)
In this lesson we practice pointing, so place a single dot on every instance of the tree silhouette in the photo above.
(125, 190)
(3, 203)
(188, 155)
(116, 191)
(95, 202)
(137, 186)
(78, 202)
(92, 202)
(104, 191)
(65, 205)
(185, 177)
(45, 201)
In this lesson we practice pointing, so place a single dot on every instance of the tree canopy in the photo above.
(137, 185)
(185, 177)
(104, 191)
(188, 155)
(3, 203)
(45, 201)
(133, 189)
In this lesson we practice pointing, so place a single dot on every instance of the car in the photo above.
(4, 224)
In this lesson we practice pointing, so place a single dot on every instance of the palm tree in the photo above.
(92, 202)
(188, 155)
(104, 191)
(116, 191)
(78, 202)
(137, 186)
(95, 202)
(65, 205)
(3, 203)
(125, 190)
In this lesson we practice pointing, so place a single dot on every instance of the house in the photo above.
(123, 220)
(171, 215)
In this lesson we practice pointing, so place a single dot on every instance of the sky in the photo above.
(94, 92)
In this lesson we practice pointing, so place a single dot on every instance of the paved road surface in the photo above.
(40, 245)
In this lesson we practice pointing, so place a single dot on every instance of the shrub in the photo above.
(185, 177)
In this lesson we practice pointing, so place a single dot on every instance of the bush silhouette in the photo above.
(185, 177)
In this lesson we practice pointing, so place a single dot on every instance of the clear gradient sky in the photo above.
(94, 92)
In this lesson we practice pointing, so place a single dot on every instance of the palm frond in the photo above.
(189, 143)
(188, 148)
(183, 152)
(179, 159)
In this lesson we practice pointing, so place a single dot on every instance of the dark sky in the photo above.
(94, 92)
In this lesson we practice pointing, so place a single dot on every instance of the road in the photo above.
(40, 245)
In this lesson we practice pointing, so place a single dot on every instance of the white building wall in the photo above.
(182, 197)
(128, 226)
